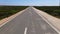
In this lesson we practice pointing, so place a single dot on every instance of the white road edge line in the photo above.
(25, 32)
(49, 23)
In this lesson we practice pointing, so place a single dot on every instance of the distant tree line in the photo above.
(6, 11)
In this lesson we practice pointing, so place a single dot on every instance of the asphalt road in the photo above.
(28, 22)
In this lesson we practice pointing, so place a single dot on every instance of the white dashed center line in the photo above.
(25, 32)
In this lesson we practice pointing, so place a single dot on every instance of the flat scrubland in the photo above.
(52, 10)
(6, 11)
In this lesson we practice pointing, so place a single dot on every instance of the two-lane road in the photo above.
(29, 22)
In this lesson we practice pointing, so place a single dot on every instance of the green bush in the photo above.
(56, 12)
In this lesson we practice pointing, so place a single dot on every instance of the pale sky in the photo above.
(30, 2)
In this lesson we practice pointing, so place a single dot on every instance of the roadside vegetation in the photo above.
(6, 11)
(52, 10)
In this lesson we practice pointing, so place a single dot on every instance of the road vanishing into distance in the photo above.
(28, 22)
